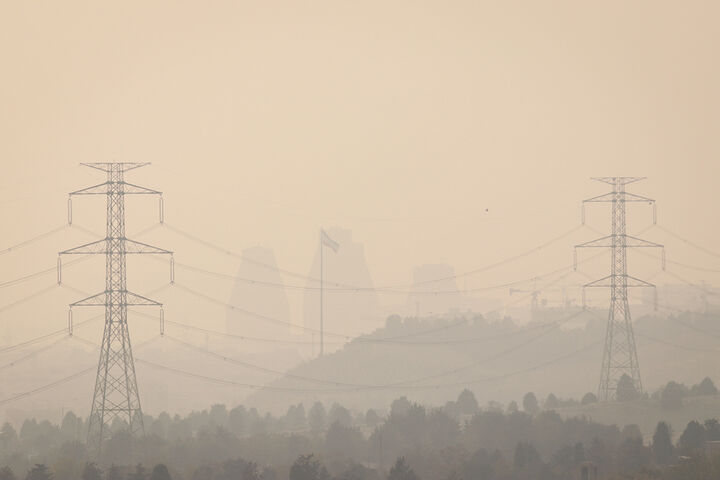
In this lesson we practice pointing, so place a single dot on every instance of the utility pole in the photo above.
(116, 393)
(620, 355)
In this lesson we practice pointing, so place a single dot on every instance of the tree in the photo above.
(662, 447)
(632, 454)
(402, 471)
(530, 403)
(91, 472)
(6, 473)
(551, 402)
(316, 418)
(631, 431)
(39, 472)
(372, 418)
(113, 473)
(339, 414)
(307, 467)
(8, 436)
(705, 387)
(671, 396)
(692, 438)
(512, 407)
(712, 429)
(525, 456)
(140, 473)
(626, 390)
(467, 403)
(357, 472)
(400, 406)
(344, 442)
(160, 472)
(203, 472)
(588, 399)
(239, 469)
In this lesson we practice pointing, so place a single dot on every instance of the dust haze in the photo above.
(368, 242)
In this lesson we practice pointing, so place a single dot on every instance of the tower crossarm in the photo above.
(115, 167)
(629, 282)
(123, 245)
(617, 180)
(107, 187)
(629, 241)
(105, 298)
(623, 196)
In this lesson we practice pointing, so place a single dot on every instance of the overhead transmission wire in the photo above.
(39, 273)
(34, 239)
(671, 344)
(47, 386)
(223, 381)
(301, 327)
(252, 366)
(225, 358)
(32, 354)
(53, 269)
(364, 339)
(381, 290)
(361, 339)
(63, 380)
(688, 242)
(493, 357)
(356, 287)
(40, 338)
(519, 372)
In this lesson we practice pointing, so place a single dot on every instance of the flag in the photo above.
(329, 242)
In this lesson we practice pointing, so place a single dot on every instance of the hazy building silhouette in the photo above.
(259, 289)
(348, 312)
(434, 290)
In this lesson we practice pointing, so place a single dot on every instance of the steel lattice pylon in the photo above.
(116, 394)
(620, 355)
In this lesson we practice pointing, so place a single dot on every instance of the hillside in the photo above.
(431, 360)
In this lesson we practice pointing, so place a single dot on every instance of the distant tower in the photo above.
(620, 355)
(116, 392)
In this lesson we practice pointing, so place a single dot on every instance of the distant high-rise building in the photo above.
(435, 292)
(345, 311)
(433, 278)
(259, 289)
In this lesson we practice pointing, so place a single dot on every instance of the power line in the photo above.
(360, 288)
(368, 289)
(32, 296)
(675, 345)
(48, 386)
(689, 242)
(526, 370)
(33, 353)
(289, 324)
(67, 379)
(494, 357)
(53, 269)
(48, 335)
(222, 381)
(34, 239)
(258, 367)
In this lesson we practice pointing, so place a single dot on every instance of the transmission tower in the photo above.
(116, 393)
(620, 355)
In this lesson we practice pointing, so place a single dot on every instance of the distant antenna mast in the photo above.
(116, 392)
(620, 355)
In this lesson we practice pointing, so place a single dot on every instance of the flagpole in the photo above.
(322, 285)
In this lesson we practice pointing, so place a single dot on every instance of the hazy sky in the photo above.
(439, 132)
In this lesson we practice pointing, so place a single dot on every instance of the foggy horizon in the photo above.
(431, 162)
